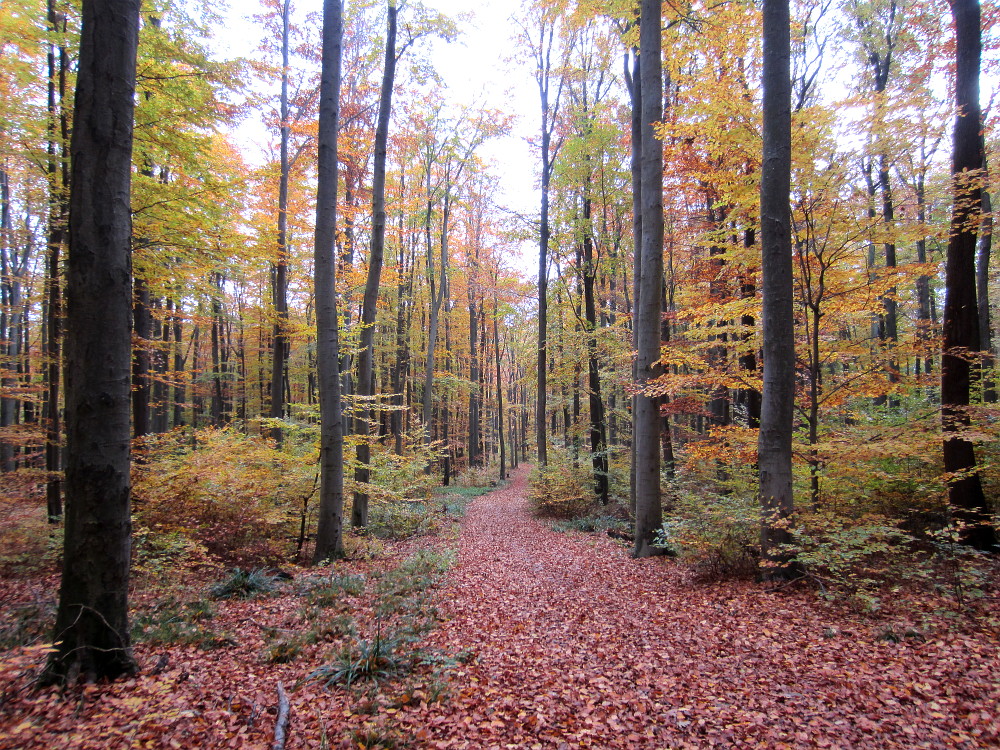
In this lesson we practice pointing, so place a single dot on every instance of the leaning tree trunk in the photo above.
(366, 385)
(329, 535)
(961, 316)
(774, 444)
(646, 419)
(91, 633)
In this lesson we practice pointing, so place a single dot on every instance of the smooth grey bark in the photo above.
(366, 384)
(960, 324)
(279, 279)
(91, 631)
(646, 419)
(774, 445)
(329, 534)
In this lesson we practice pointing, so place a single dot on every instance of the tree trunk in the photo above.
(58, 165)
(598, 421)
(983, 253)
(646, 419)
(961, 316)
(329, 535)
(497, 352)
(634, 81)
(366, 379)
(774, 445)
(437, 297)
(279, 353)
(180, 377)
(91, 632)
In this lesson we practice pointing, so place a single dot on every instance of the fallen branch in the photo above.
(281, 726)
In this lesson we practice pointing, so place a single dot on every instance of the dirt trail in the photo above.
(577, 645)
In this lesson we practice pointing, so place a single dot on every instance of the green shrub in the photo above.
(390, 519)
(852, 557)
(718, 534)
(599, 523)
(245, 584)
(30, 545)
(365, 659)
(482, 478)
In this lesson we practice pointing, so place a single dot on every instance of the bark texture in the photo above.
(92, 621)
(960, 326)
(329, 535)
(646, 419)
(774, 446)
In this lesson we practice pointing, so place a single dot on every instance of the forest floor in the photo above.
(530, 639)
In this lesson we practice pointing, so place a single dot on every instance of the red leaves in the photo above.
(566, 643)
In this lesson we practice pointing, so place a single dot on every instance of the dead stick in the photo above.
(281, 726)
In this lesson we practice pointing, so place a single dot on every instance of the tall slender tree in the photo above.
(646, 419)
(366, 382)
(550, 85)
(329, 535)
(774, 445)
(279, 279)
(961, 316)
(91, 632)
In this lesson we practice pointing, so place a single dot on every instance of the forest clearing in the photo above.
(535, 638)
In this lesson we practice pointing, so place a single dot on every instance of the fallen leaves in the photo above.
(565, 643)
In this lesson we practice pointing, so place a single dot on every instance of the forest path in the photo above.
(577, 645)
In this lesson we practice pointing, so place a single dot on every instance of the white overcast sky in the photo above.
(477, 68)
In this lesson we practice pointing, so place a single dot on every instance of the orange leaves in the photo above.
(576, 646)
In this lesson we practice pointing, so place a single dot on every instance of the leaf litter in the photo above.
(543, 640)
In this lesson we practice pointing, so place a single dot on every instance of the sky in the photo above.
(481, 67)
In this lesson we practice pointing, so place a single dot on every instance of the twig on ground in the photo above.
(281, 726)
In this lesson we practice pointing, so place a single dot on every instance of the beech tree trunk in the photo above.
(91, 631)
(646, 419)
(58, 138)
(329, 535)
(961, 315)
(774, 445)
(365, 386)
(634, 81)
(280, 275)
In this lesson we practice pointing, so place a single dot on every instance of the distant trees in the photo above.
(400, 330)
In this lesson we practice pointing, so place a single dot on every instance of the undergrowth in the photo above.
(172, 622)
(245, 584)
